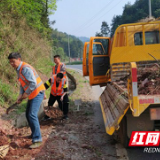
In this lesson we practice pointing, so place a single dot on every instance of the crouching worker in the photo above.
(59, 93)
(31, 87)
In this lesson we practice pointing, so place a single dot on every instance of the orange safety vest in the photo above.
(25, 83)
(57, 91)
(59, 70)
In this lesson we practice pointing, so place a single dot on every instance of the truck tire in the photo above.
(122, 133)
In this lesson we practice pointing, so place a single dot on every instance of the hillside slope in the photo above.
(84, 39)
(17, 36)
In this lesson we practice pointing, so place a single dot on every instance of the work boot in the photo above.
(35, 145)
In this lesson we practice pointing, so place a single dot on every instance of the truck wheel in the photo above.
(122, 134)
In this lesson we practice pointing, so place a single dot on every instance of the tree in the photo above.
(105, 30)
(134, 13)
(60, 52)
(60, 40)
(99, 34)
(116, 21)
(49, 6)
(35, 11)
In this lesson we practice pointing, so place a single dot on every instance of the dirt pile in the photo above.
(10, 143)
(53, 112)
(17, 142)
(149, 80)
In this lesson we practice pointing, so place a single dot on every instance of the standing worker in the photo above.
(59, 93)
(59, 67)
(31, 87)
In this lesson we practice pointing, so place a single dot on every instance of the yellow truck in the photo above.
(129, 66)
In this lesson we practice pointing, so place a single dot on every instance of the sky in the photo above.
(83, 18)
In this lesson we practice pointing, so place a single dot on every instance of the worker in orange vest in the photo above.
(59, 67)
(31, 87)
(58, 92)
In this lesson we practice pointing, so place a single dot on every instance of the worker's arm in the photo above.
(65, 91)
(21, 91)
(19, 99)
(47, 84)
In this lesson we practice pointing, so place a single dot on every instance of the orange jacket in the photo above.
(59, 70)
(25, 83)
(57, 91)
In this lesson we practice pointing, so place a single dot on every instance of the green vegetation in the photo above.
(135, 12)
(105, 30)
(5, 93)
(35, 12)
(79, 93)
(60, 43)
(21, 107)
(131, 14)
(74, 63)
(24, 28)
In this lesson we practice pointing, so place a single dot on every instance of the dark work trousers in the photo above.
(62, 105)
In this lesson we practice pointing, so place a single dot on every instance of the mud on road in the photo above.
(82, 137)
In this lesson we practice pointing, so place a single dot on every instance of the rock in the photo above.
(41, 110)
(21, 120)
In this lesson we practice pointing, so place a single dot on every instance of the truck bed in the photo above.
(118, 97)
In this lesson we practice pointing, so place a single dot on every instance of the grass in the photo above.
(71, 103)
(87, 113)
(6, 93)
(74, 63)
(77, 94)
(21, 107)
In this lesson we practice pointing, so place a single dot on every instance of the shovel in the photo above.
(11, 107)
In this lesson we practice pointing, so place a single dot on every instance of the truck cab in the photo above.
(96, 60)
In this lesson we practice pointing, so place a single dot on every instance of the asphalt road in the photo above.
(96, 89)
(79, 67)
(130, 153)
